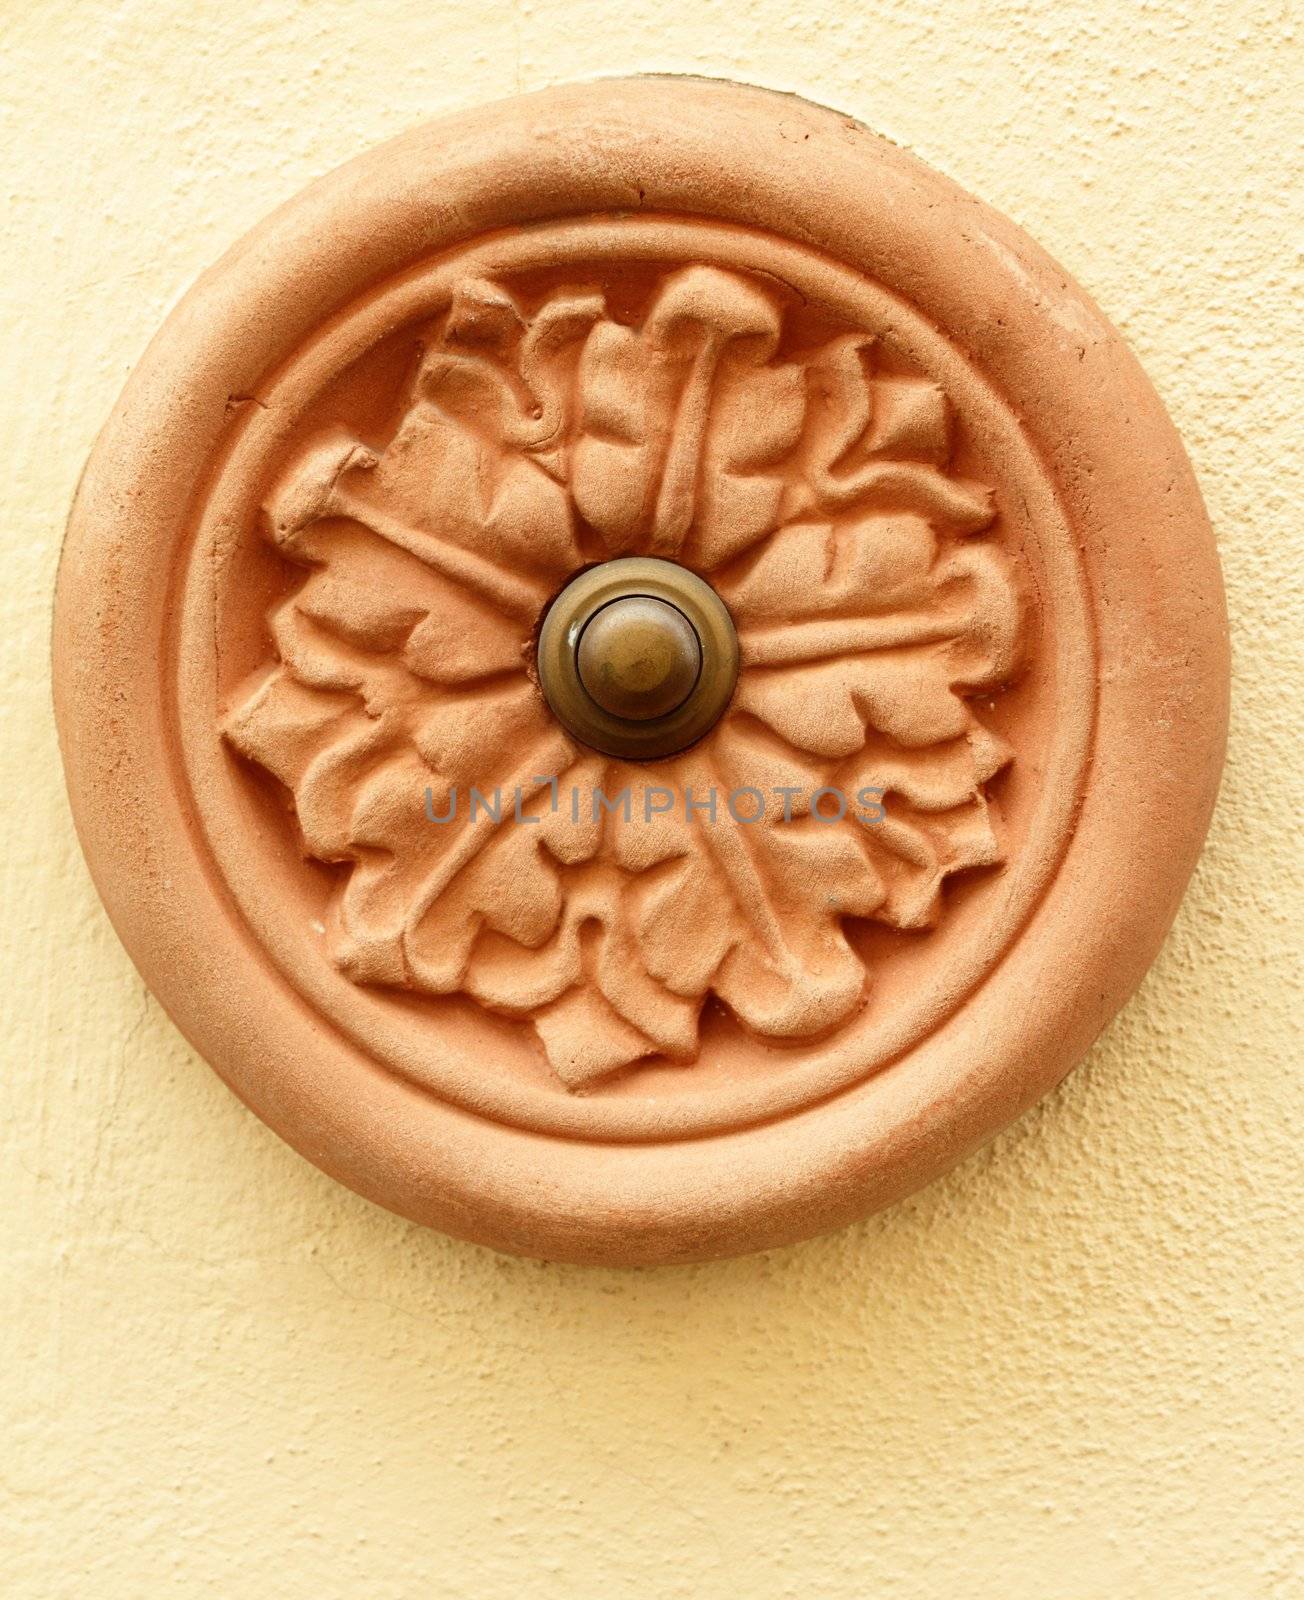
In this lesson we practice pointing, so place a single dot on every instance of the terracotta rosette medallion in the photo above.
(849, 790)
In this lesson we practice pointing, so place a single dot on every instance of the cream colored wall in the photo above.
(1064, 1372)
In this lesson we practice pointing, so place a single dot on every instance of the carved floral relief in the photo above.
(874, 608)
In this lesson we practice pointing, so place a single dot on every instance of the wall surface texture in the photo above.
(1064, 1373)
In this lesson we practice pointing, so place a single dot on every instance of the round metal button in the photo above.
(638, 657)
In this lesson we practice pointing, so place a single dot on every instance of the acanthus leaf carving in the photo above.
(869, 609)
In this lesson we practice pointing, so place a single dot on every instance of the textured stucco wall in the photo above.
(1063, 1373)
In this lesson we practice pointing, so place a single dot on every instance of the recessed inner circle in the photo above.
(639, 657)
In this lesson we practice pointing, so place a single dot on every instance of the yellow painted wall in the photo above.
(1062, 1374)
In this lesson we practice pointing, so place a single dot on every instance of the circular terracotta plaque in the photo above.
(849, 791)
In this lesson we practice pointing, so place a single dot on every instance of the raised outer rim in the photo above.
(733, 152)
(708, 616)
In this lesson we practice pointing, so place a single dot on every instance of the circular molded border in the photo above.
(225, 808)
(736, 154)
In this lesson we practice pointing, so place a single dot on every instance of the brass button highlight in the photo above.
(639, 658)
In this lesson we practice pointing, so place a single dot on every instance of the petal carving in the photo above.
(539, 430)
